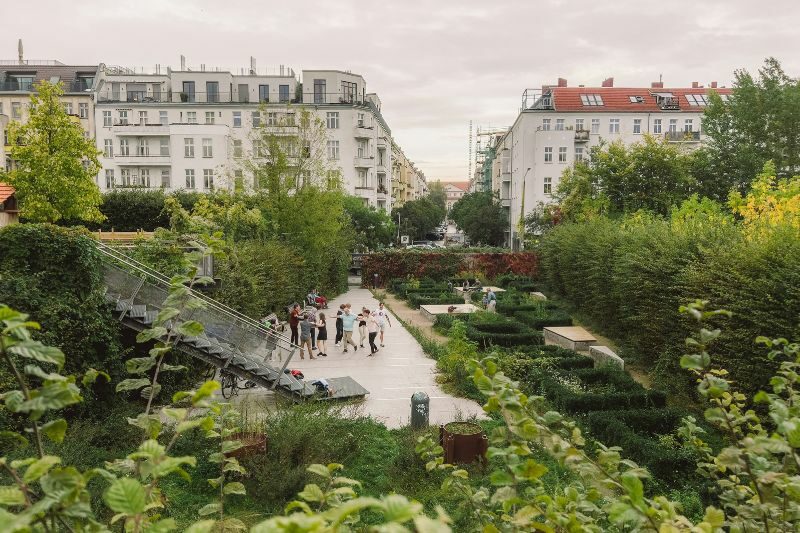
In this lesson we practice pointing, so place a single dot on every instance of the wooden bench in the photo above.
(571, 337)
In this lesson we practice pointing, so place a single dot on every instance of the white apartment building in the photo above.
(558, 125)
(187, 129)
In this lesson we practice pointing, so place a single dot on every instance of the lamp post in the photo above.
(398, 228)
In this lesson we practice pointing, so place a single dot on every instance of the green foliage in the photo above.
(55, 165)
(419, 217)
(481, 217)
(373, 228)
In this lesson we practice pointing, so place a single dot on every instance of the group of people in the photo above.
(310, 330)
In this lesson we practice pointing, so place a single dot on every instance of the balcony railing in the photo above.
(30, 86)
(581, 136)
(310, 97)
(682, 136)
(364, 161)
(177, 97)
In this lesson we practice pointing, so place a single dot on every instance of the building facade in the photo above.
(558, 125)
(408, 182)
(453, 191)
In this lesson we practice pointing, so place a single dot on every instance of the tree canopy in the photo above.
(373, 228)
(420, 217)
(480, 216)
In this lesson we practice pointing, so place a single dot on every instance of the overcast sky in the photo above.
(435, 64)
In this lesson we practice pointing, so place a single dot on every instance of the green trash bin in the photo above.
(420, 410)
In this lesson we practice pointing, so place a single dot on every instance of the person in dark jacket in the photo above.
(339, 326)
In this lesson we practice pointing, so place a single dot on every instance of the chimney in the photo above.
(252, 65)
(183, 62)
(695, 85)
(713, 85)
(608, 82)
(657, 85)
(562, 82)
(19, 50)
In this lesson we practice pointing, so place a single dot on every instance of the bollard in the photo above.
(420, 410)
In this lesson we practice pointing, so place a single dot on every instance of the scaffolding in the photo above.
(485, 153)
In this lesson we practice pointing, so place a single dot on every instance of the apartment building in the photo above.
(18, 80)
(558, 125)
(453, 191)
(408, 182)
(191, 128)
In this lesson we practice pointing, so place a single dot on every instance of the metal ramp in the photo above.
(232, 342)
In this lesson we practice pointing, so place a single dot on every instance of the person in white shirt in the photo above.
(382, 318)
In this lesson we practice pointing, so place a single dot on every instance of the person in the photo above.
(362, 328)
(491, 301)
(339, 330)
(322, 335)
(320, 301)
(305, 337)
(485, 300)
(477, 284)
(294, 320)
(375, 280)
(372, 326)
(382, 318)
(449, 286)
(348, 319)
(312, 317)
(465, 286)
(311, 297)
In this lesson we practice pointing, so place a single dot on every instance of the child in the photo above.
(362, 328)
(372, 326)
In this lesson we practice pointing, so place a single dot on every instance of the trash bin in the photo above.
(420, 410)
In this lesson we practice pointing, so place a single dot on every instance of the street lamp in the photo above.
(398, 227)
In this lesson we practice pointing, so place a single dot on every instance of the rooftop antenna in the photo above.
(469, 172)
(19, 50)
(183, 62)
(252, 65)
(660, 78)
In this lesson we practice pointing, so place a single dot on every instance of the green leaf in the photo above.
(501, 477)
(54, 395)
(311, 493)
(166, 314)
(634, 487)
(211, 508)
(55, 430)
(10, 440)
(33, 370)
(152, 333)
(139, 365)
(203, 526)
(205, 391)
(162, 526)
(40, 467)
(39, 352)
(14, 400)
(132, 384)
(172, 368)
(715, 517)
(229, 446)
(91, 376)
(320, 470)
(126, 496)
(11, 496)
(151, 424)
(234, 487)
(145, 392)
(190, 328)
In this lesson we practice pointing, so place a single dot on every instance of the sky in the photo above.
(436, 65)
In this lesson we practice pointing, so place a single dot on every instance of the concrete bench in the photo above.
(430, 311)
(603, 355)
(538, 296)
(570, 337)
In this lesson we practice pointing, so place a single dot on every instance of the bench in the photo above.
(603, 355)
(570, 337)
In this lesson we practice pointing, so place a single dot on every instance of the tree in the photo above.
(758, 123)
(437, 194)
(481, 217)
(55, 165)
(373, 228)
(420, 217)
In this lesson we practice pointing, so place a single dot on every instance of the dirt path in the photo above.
(410, 316)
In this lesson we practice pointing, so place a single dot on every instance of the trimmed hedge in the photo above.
(544, 318)
(417, 300)
(623, 392)
(521, 337)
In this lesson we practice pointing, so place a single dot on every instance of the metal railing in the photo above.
(682, 136)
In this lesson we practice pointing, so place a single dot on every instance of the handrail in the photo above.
(164, 280)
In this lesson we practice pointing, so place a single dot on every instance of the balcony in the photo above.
(668, 103)
(682, 136)
(135, 160)
(505, 202)
(581, 136)
(382, 189)
(140, 129)
(362, 131)
(364, 161)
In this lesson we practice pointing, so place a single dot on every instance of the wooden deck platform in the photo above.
(345, 388)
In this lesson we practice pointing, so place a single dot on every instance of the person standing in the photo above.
(305, 337)
(375, 280)
(312, 317)
(348, 321)
(322, 335)
(362, 327)
(382, 318)
(294, 320)
(491, 301)
(372, 326)
(339, 330)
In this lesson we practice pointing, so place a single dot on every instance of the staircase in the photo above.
(232, 342)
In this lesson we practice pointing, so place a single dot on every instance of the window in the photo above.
(548, 185)
(125, 176)
(637, 125)
(545, 124)
(333, 150)
(319, 92)
(209, 117)
(164, 147)
(110, 178)
(333, 120)
(142, 117)
(657, 125)
(190, 178)
(208, 150)
(361, 123)
(144, 176)
(123, 117)
(238, 180)
(165, 181)
(283, 93)
(363, 178)
(107, 119)
(212, 91)
(673, 124)
(289, 119)
(578, 123)
(163, 118)
(562, 154)
(697, 99)
(636, 99)
(688, 125)
(191, 117)
(68, 108)
(579, 153)
(16, 110)
(272, 119)
(188, 92)
(108, 148)
(613, 125)
(548, 154)
(124, 147)
(258, 150)
(362, 148)
(83, 110)
(142, 148)
(188, 148)
(349, 91)
(263, 93)
(237, 119)
(237, 148)
(256, 117)
(559, 124)
(595, 125)
(591, 99)
(208, 178)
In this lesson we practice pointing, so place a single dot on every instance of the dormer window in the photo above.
(697, 99)
(592, 99)
(636, 99)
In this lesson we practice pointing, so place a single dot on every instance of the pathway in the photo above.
(392, 375)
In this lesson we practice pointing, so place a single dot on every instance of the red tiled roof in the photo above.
(6, 191)
(618, 98)
(463, 185)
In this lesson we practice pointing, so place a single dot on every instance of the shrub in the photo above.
(597, 389)
(543, 318)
